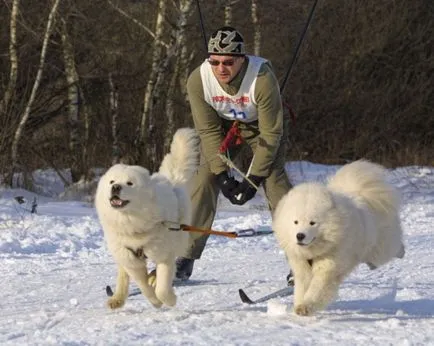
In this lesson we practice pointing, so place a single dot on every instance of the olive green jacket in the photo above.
(269, 126)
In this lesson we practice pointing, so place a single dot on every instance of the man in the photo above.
(229, 86)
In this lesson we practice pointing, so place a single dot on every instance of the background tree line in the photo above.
(84, 84)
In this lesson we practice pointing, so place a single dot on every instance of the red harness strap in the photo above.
(233, 137)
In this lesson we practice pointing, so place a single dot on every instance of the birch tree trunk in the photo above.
(256, 28)
(181, 64)
(73, 105)
(228, 12)
(147, 141)
(25, 116)
(114, 115)
(13, 58)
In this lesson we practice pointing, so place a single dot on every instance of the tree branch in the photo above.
(135, 21)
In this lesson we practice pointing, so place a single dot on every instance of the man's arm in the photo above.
(206, 122)
(270, 121)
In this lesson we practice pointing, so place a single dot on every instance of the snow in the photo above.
(55, 266)
(276, 308)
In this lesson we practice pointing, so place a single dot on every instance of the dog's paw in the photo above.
(115, 303)
(170, 300)
(168, 297)
(156, 303)
(153, 299)
(304, 310)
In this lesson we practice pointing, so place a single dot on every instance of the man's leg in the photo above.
(204, 193)
(275, 187)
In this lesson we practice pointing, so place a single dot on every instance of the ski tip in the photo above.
(244, 297)
(109, 291)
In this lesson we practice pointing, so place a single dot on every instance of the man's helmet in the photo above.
(226, 41)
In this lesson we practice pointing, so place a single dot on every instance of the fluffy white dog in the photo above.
(137, 209)
(326, 231)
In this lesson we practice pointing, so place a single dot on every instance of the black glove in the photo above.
(246, 191)
(226, 184)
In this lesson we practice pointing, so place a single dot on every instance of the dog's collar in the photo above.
(138, 253)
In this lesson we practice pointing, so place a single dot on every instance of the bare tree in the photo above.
(181, 64)
(25, 116)
(6, 115)
(147, 128)
(135, 21)
(228, 12)
(114, 115)
(74, 98)
(147, 124)
(256, 28)
(13, 58)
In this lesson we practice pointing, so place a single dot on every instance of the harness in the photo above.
(139, 254)
(233, 137)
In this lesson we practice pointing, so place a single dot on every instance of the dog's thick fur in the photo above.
(326, 231)
(136, 210)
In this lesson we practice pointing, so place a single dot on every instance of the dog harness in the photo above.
(138, 253)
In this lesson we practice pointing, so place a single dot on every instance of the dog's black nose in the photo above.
(300, 236)
(116, 189)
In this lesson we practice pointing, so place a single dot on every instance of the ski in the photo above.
(276, 294)
(177, 283)
(134, 292)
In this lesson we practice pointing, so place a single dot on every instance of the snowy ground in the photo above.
(55, 266)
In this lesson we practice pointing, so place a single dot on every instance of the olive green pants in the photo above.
(204, 190)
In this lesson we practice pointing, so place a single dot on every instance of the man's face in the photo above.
(225, 67)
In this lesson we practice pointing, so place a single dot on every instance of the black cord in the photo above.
(202, 26)
(297, 49)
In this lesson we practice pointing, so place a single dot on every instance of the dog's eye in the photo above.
(129, 183)
(111, 182)
(312, 223)
(296, 222)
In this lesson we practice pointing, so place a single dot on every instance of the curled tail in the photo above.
(183, 160)
(366, 181)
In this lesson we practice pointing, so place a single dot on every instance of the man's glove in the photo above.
(246, 191)
(226, 184)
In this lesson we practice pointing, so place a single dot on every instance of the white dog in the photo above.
(137, 210)
(326, 231)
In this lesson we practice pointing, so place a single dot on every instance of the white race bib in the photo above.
(242, 105)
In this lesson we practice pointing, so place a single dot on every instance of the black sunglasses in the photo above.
(230, 62)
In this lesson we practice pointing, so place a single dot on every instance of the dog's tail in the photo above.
(366, 181)
(183, 160)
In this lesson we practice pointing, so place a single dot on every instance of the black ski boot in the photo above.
(184, 268)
